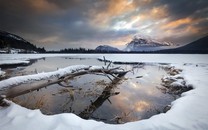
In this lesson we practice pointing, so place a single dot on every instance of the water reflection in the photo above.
(135, 97)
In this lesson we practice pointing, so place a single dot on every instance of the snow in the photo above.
(189, 112)
(24, 58)
(140, 44)
(158, 58)
(178, 83)
(1, 73)
(41, 76)
(147, 58)
(15, 37)
(9, 62)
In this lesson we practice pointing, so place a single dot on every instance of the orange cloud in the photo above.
(117, 7)
(191, 28)
(177, 23)
(41, 5)
(159, 12)
(114, 8)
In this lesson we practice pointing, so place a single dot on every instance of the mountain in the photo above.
(10, 41)
(198, 46)
(106, 48)
(140, 44)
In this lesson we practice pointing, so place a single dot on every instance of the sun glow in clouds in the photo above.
(126, 25)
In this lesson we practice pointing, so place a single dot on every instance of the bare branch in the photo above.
(109, 64)
(104, 60)
(66, 86)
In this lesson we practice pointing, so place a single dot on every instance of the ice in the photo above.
(158, 58)
(24, 58)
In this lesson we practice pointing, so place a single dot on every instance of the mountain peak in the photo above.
(145, 43)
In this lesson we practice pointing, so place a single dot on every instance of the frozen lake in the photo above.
(136, 91)
(138, 98)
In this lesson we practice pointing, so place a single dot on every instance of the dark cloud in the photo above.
(184, 8)
(57, 24)
(65, 4)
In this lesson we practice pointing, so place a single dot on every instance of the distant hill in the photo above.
(198, 46)
(8, 40)
(106, 48)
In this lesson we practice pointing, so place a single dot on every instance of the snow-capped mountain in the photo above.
(106, 48)
(140, 44)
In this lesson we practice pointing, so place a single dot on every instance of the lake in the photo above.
(136, 96)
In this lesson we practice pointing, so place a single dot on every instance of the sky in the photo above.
(58, 24)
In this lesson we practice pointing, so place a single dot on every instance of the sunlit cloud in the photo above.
(113, 9)
(49, 39)
(177, 23)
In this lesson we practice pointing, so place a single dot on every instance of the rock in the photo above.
(167, 108)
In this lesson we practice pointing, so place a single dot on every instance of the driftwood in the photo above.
(16, 90)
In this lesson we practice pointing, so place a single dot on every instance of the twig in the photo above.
(104, 60)
(109, 64)
(106, 74)
(109, 101)
(66, 86)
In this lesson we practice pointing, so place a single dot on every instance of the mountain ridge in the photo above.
(9, 40)
(106, 48)
(198, 46)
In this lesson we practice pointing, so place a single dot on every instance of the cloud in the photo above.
(108, 10)
(57, 24)
(177, 23)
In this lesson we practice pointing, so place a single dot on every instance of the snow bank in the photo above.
(190, 112)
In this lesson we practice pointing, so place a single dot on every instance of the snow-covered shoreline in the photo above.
(188, 112)
(150, 58)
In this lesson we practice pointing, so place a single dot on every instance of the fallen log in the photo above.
(34, 82)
